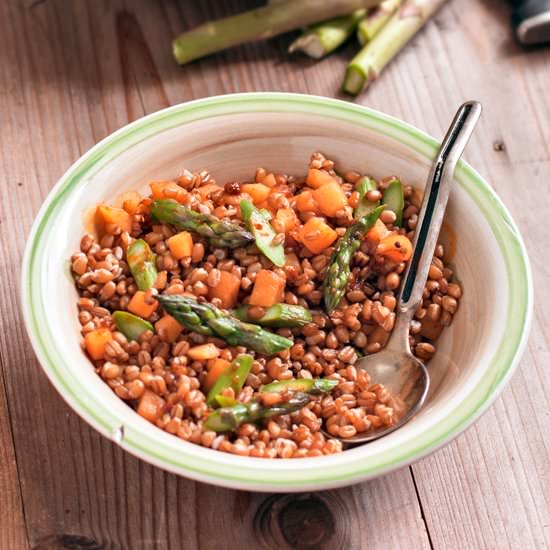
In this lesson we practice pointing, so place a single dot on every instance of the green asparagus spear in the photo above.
(339, 269)
(258, 24)
(257, 222)
(205, 318)
(394, 200)
(131, 325)
(228, 419)
(220, 233)
(364, 206)
(233, 377)
(189, 313)
(237, 333)
(277, 316)
(388, 42)
(375, 19)
(323, 38)
(142, 264)
(313, 386)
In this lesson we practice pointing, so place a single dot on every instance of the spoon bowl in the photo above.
(406, 378)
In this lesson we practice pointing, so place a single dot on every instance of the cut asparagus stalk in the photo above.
(224, 401)
(218, 232)
(258, 24)
(373, 58)
(131, 325)
(233, 377)
(313, 386)
(339, 268)
(325, 37)
(257, 222)
(228, 419)
(277, 316)
(205, 318)
(375, 19)
(394, 200)
(142, 264)
(364, 206)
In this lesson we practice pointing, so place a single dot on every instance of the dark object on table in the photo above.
(531, 21)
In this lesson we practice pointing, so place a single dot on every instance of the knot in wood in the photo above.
(300, 522)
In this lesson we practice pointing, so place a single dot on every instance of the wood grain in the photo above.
(91, 67)
(12, 525)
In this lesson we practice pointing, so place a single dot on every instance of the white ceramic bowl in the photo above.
(232, 135)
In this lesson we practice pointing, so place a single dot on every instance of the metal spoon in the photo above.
(405, 376)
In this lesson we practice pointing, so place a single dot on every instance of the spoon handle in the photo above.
(431, 216)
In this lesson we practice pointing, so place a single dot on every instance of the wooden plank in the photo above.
(12, 532)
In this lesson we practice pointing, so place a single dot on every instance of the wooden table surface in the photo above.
(72, 72)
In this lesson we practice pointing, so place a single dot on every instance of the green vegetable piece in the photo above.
(276, 17)
(188, 312)
(233, 377)
(339, 268)
(371, 60)
(131, 325)
(258, 224)
(237, 333)
(364, 206)
(394, 200)
(277, 316)
(323, 38)
(205, 318)
(142, 264)
(313, 386)
(375, 20)
(224, 401)
(228, 419)
(265, 213)
(218, 232)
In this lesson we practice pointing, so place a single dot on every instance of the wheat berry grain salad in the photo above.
(232, 315)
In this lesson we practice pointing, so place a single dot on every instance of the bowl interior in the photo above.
(231, 145)
(238, 145)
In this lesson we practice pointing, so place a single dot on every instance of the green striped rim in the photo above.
(203, 464)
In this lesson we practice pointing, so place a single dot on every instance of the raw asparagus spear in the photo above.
(325, 37)
(375, 19)
(394, 200)
(391, 39)
(228, 419)
(218, 232)
(259, 24)
(233, 377)
(206, 318)
(339, 269)
(313, 386)
(131, 325)
(257, 222)
(142, 264)
(364, 206)
(277, 316)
